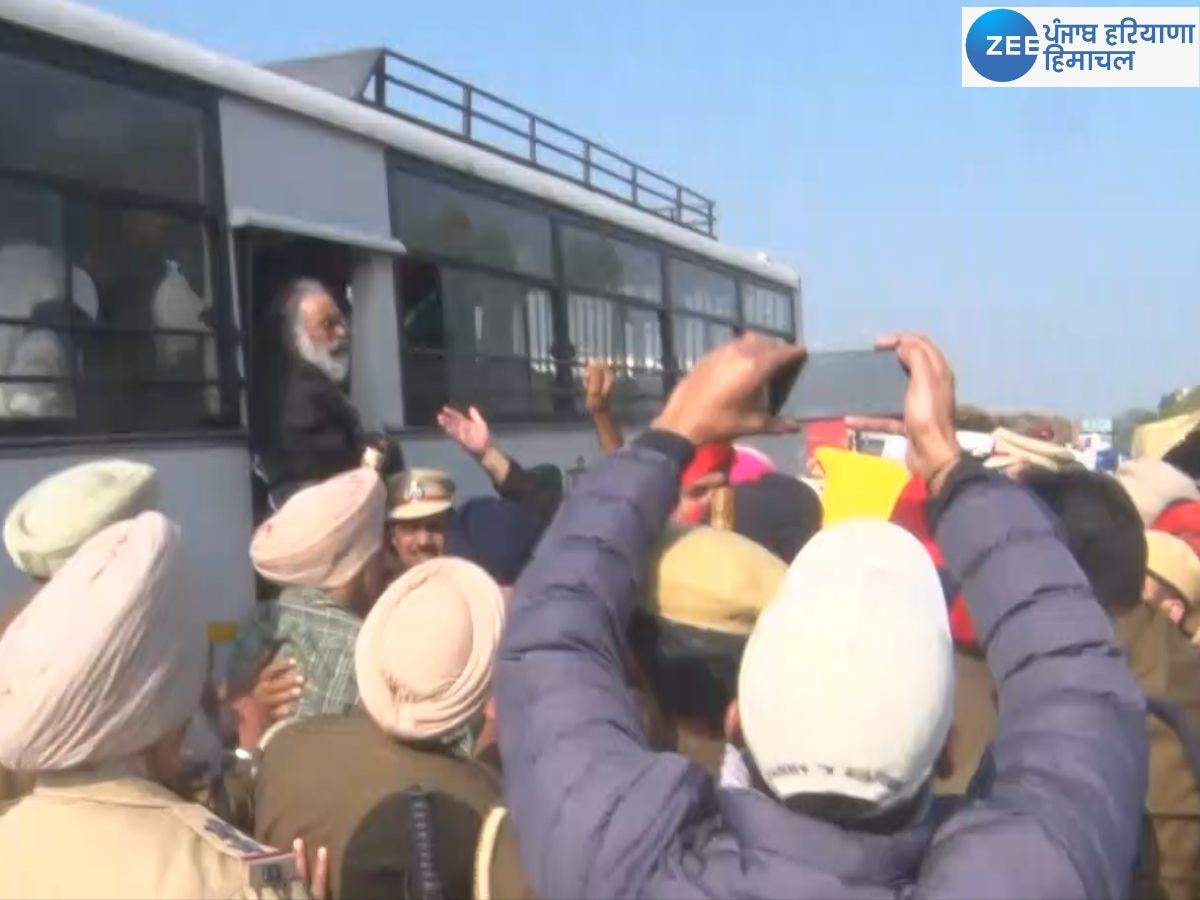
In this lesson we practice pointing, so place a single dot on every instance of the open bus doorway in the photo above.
(268, 261)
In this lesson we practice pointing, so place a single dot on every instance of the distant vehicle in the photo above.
(155, 196)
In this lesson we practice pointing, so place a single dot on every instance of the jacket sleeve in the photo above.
(1060, 815)
(594, 809)
(320, 429)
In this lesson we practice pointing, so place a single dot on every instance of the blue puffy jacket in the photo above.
(598, 814)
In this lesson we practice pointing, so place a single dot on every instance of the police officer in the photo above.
(98, 679)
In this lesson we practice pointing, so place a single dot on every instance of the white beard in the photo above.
(335, 363)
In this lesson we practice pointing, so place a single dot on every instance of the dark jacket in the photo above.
(318, 433)
(338, 782)
(597, 814)
(1168, 668)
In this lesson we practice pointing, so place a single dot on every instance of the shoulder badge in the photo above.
(266, 865)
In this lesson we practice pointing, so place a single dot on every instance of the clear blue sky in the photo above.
(1048, 238)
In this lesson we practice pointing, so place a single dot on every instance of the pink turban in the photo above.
(324, 535)
(108, 657)
(426, 651)
(749, 465)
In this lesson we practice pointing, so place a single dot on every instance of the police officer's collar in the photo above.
(123, 781)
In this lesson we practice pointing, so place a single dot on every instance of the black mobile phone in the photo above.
(779, 388)
(845, 383)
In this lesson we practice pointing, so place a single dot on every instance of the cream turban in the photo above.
(847, 683)
(54, 517)
(1173, 561)
(89, 682)
(712, 579)
(324, 535)
(426, 651)
(1012, 449)
(1154, 485)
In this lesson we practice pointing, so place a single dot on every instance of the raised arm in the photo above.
(1060, 815)
(1070, 749)
(597, 814)
(598, 392)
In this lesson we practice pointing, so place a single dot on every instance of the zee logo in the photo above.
(1002, 45)
(1011, 45)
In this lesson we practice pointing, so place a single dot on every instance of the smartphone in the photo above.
(835, 385)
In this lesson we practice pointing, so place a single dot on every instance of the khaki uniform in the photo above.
(104, 834)
(1167, 667)
(339, 782)
(975, 716)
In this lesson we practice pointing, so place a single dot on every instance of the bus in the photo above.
(155, 196)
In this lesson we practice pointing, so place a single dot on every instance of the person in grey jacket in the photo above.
(598, 814)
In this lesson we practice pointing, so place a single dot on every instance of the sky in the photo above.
(1047, 239)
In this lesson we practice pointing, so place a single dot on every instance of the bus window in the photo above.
(423, 341)
(767, 310)
(613, 314)
(107, 259)
(705, 311)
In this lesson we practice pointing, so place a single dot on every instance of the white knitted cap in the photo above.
(847, 683)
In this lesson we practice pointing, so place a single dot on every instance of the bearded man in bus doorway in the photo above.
(316, 432)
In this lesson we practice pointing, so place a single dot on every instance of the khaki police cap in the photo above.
(419, 494)
(712, 579)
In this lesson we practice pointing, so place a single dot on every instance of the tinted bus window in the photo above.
(62, 123)
(596, 262)
(765, 308)
(702, 290)
(435, 218)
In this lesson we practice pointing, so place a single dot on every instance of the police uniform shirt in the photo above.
(99, 833)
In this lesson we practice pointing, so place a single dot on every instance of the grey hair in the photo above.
(289, 305)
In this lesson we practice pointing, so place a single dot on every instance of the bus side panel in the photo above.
(205, 489)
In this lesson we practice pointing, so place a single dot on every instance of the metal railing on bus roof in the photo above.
(529, 138)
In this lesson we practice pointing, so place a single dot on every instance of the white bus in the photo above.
(154, 197)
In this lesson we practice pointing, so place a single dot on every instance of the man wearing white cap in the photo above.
(424, 661)
(845, 691)
(325, 547)
(98, 678)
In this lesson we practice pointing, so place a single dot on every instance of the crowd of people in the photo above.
(675, 679)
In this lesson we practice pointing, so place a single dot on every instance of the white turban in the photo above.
(426, 652)
(847, 683)
(55, 516)
(89, 682)
(324, 535)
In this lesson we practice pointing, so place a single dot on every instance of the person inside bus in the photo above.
(420, 507)
(33, 287)
(843, 719)
(316, 432)
(325, 548)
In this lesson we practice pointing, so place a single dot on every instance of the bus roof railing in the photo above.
(462, 110)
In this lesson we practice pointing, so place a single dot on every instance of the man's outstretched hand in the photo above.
(724, 396)
(928, 409)
(470, 431)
